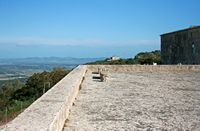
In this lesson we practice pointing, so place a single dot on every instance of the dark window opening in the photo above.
(193, 48)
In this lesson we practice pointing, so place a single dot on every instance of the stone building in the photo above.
(181, 47)
(114, 58)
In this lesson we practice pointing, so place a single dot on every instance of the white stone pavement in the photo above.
(137, 101)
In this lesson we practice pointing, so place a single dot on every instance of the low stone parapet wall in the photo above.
(146, 68)
(49, 112)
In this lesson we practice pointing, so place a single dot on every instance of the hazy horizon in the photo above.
(96, 52)
(90, 29)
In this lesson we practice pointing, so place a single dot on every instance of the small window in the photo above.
(193, 48)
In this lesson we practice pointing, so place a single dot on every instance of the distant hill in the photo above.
(143, 58)
(27, 66)
(46, 60)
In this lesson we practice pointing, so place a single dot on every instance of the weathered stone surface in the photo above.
(144, 68)
(133, 97)
(181, 46)
(137, 101)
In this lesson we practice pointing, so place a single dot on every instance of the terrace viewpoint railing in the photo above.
(49, 112)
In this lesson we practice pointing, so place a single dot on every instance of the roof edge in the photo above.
(190, 28)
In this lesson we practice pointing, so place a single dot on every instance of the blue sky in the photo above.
(90, 28)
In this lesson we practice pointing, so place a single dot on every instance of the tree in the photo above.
(57, 74)
(34, 86)
(140, 58)
(148, 57)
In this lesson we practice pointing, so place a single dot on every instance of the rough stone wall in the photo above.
(181, 47)
(144, 68)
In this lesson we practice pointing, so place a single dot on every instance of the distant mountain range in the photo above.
(46, 61)
(21, 67)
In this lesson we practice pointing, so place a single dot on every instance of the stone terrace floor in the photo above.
(137, 101)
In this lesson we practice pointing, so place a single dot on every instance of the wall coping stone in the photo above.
(145, 68)
(49, 112)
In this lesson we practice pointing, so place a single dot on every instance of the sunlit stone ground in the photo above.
(137, 101)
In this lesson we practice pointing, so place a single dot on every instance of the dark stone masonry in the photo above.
(181, 47)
